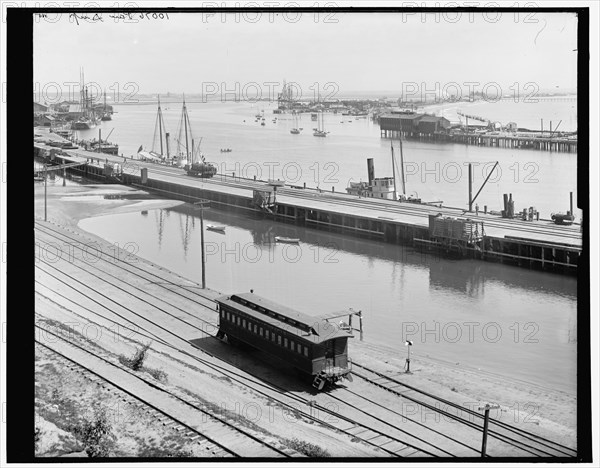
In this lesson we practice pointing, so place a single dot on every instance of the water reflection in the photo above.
(393, 285)
(465, 276)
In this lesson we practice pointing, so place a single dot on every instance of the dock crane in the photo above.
(472, 199)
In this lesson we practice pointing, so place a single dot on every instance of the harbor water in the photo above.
(505, 320)
(496, 318)
(433, 171)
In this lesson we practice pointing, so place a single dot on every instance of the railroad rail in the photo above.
(210, 423)
(373, 437)
(155, 331)
(529, 443)
(138, 404)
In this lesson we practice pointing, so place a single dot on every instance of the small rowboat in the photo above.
(214, 227)
(287, 240)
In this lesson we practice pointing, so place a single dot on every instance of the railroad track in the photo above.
(347, 425)
(413, 210)
(529, 443)
(350, 426)
(227, 430)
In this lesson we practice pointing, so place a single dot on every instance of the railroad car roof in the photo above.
(313, 329)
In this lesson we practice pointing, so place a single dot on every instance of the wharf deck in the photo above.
(383, 219)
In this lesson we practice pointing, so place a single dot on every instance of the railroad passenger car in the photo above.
(315, 347)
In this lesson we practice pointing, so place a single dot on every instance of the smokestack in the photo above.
(571, 197)
(370, 171)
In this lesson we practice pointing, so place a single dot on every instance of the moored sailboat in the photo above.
(320, 131)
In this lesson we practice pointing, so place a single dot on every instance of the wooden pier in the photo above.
(491, 139)
(532, 244)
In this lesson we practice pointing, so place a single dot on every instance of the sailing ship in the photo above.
(295, 130)
(320, 131)
(193, 162)
(159, 130)
(106, 115)
(87, 118)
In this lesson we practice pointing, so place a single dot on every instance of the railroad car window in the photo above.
(306, 351)
(267, 334)
(285, 341)
(255, 328)
(278, 339)
(299, 348)
(260, 331)
(244, 323)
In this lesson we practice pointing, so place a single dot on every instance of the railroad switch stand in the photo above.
(319, 382)
(409, 344)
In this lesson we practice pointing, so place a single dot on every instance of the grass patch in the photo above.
(158, 374)
(306, 448)
(158, 452)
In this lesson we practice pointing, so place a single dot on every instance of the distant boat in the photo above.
(320, 131)
(295, 130)
(83, 124)
(215, 227)
(106, 114)
(287, 240)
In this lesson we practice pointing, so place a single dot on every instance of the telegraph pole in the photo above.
(486, 420)
(45, 192)
(201, 203)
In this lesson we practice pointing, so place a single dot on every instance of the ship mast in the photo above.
(402, 168)
(394, 170)
(185, 121)
(160, 129)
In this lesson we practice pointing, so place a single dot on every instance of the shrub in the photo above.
(137, 361)
(96, 435)
(37, 436)
(306, 448)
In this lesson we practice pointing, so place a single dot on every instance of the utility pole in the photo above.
(45, 192)
(470, 188)
(201, 203)
(394, 170)
(486, 420)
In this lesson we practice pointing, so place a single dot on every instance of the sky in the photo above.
(195, 53)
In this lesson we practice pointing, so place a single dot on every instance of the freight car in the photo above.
(204, 170)
(316, 348)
